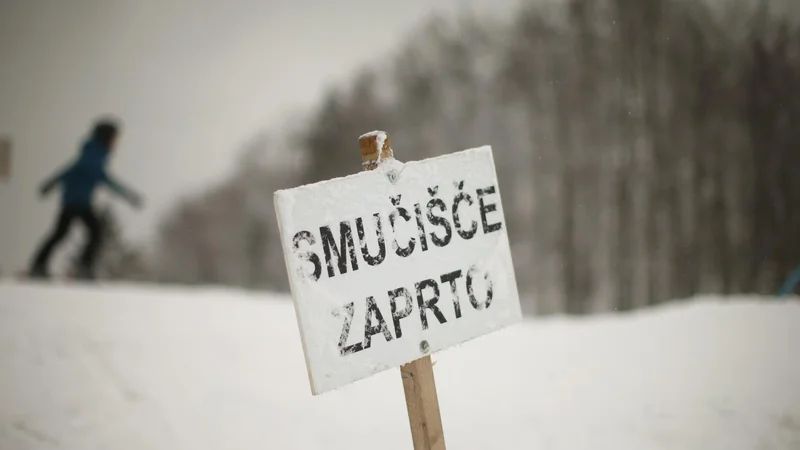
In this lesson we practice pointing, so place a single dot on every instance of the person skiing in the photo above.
(78, 182)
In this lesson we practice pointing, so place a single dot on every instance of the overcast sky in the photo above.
(192, 80)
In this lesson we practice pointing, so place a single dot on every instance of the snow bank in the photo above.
(130, 368)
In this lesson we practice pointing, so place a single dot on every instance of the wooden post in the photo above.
(375, 147)
(5, 159)
(423, 405)
(418, 381)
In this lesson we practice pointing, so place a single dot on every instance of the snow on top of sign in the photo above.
(383, 166)
(381, 139)
(389, 164)
(380, 134)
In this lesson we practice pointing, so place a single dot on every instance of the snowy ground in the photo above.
(133, 368)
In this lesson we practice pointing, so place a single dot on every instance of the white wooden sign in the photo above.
(5, 158)
(390, 265)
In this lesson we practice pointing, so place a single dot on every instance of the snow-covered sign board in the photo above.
(5, 158)
(390, 265)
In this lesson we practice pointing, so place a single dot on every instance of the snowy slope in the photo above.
(133, 368)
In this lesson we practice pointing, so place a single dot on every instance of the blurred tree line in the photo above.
(646, 150)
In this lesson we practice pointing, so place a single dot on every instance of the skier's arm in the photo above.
(52, 182)
(122, 190)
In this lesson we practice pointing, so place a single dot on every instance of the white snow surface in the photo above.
(136, 367)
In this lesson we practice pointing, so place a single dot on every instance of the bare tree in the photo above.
(646, 150)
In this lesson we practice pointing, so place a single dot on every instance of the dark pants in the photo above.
(65, 219)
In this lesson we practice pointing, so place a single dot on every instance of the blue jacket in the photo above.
(79, 180)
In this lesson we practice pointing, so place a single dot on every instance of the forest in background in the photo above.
(646, 150)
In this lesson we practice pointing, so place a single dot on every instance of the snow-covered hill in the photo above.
(134, 368)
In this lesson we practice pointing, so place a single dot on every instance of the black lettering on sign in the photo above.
(348, 248)
(402, 212)
(485, 209)
(463, 197)
(307, 255)
(423, 240)
(451, 278)
(371, 329)
(401, 302)
(402, 313)
(473, 271)
(344, 349)
(372, 260)
(437, 203)
(429, 303)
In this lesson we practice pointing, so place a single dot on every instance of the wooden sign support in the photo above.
(418, 381)
(5, 159)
